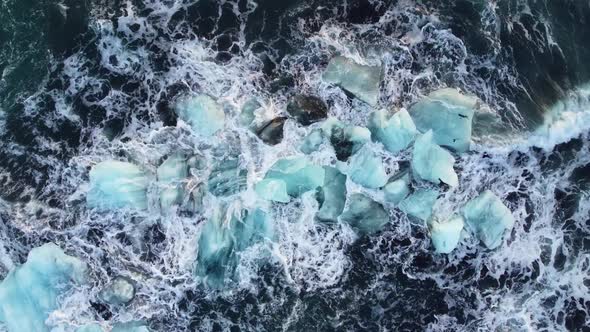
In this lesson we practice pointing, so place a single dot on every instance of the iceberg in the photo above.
(29, 293)
(273, 190)
(420, 204)
(432, 163)
(397, 133)
(364, 215)
(170, 175)
(307, 109)
(117, 184)
(227, 178)
(298, 174)
(120, 291)
(332, 195)
(312, 142)
(489, 218)
(449, 114)
(397, 190)
(366, 169)
(202, 113)
(360, 80)
(446, 235)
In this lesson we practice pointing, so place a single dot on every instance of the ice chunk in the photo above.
(120, 291)
(366, 169)
(432, 163)
(227, 178)
(312, 142)
(117, 184)
(346, 140)
(247, 116)
(298, 174)
(307, 109)
(136, 326)
(489, 218)
(273, 190)
(449, 114)
(365, 215)
(397, 133)
(202, 113)
(29, 293)
(360, 80)
(170, 175)
(420, 204)
(397, 190)
(446, 235)
(90, 328)
(332, 195)
(225, 235)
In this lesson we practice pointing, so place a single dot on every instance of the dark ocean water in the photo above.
(85, 81)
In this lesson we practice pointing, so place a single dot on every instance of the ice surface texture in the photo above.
(360, 80)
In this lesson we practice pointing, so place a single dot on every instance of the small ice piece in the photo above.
(273, 190)
(90, 328)
(397, 133)
(365, 215)
(29, 293)
(202, 113)
(397, 190)
(366, 169)
(135, 326)
(312, 142)
(227, 178)
(360, 80)
(432, 163)
(420, 204)
(170, 175)
(332, 195)
(120, 291)
(489, 218)
(445, 235)
(449, 114)
(298, 174)
(247, 116)
(117, 184)
(307, 109)
(345, 139)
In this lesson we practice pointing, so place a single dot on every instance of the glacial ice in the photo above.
(395, 191)
(432, 163)
(117, 184)
(202, 113)
(332, 195)
(489, 218)
(345, 139)
(247, 115)
(227, 177)
(360, 80)
(273, 190)
(312, 142)
(171, 173)
(449, 114)
(364, 215)
(120, 291)
(366, 168)
(29, 293)
(445, 235)
(298, 173)
(420, 203)
(397, 133)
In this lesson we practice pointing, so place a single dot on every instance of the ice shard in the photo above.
(360, 80)
(312, 142)
(396, 133)
(398, 189)
(298, 173)
(331, 195)
(445, 235)
(432, 163)
(420, 204)
(366, 168)
(202, 113)
(364, 215)
(489, 218)
(273, 190)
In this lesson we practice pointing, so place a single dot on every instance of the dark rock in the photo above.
(272, 132)
(307, 109)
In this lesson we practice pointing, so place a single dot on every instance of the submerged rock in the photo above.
(397, 190)
(307, 109)
(365, 215)
(170, 175)
(272, 132)
(29, 293)
(312, 142)
(432, 163)
(119, 291)
(446, 235)
(397, 133)
(202, 113)
(332, 195)
(227, 178)
(360, 80)
(420, 204)
(273, 190)
(117, 184)
(449, 114)
(366, 168)
(298, 174)
(489, 218)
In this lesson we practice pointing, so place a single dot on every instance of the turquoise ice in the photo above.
(228, 177)
(395, 191)
(396, 133)
(489, 218)
(117, 184)
(202, 113)
(332, 195)
(29, 293)
(360, 80)
(445, 235)
(248, 113)
(298, 173)
(170, 176)
(118, 292)
(345, 139)
(273, 190)
(366, 168)
(312, 142)
(449, 114)
(432, 163)
(364, 214)
(420, 204)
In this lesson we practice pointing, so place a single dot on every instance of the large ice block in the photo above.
(420, 203)
(298, 173)
(398, 189)
(445, 235)
(364, 215)
(396, 133)
(273, 190)
(360, 80)
(227, 177)
(366, 168)
(489, 218)
(432, 163)
(170, 176)
(332, 195)
(202, 113)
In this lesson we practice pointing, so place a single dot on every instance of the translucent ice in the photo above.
(202, 113)
(29, 293)
(365, 215)
(449, 114)
(227, 177)
(432, 163)
(420, 204)
(120, 291)
(360, 80)
(170, 176)
(489, 218)
(395, 191)
(117, 184)
(397, 133)
(273, 190)
(312, 142)
(445, 235)
(332, 195)
(366, 168)
(298, 174)
(345, 139)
